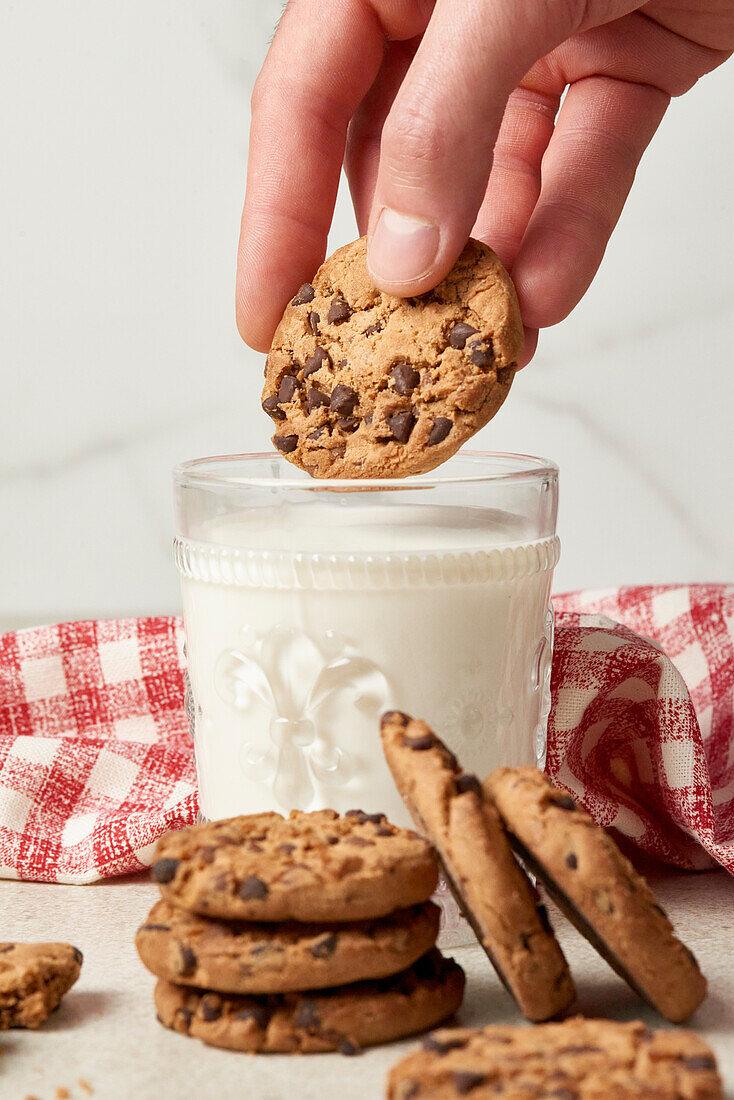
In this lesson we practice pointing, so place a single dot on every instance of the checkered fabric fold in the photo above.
(96, 760)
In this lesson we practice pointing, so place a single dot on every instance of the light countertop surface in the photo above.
(105, 1037)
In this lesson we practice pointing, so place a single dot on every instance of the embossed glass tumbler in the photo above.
(311, 607)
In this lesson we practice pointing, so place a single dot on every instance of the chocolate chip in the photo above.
(460, 333)
(306, 293)
(544, 918)
(272, 408)
(441, 428)
(343, 400)
(316, 361)
(564, 802)
(467, 782)
(288, 387)
(401, 425)
(348, 423)
(368, 418)
(465, 1081)
(317, 433)
(164, 870)
(313, 322)
(346, 1046)
(332, 840)
(481, 356)
(253, 888)
(145, 928)
(258, 1013)
(7, 947)
(207, 853)
(253, 846)
(211, 1008)
(431, 966)
(286, 443)
(362, 818)
(325, 947)
(184, 1015)
(78, 957)
(419, 744)
(307, 1016)
(405, 378)
(505, 375)
(339, 311)
(571, 861)
(286, 849)
(315, 399)
(443, 1046)
(372, 329)
(410, 1089)
(699, 1061)
(185, 964)
(385, 830)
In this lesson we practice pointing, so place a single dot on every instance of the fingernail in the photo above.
(402, 248)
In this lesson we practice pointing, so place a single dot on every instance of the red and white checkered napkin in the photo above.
(96, 759)
(95, 755)
(643, 754)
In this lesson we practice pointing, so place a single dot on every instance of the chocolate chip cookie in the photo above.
(307, 867)
(345, 1018)
(490, 886)
(33, 979)
(598, 889)
(362, 384)
(576, 1060)
(237, 957)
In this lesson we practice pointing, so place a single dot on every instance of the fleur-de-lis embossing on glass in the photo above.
(294, 691)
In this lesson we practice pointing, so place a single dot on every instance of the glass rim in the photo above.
(194, 473)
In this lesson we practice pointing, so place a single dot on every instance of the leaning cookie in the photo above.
(33, 979)
(598, 889)
(344, 1019)
(250, 957)
(306, 867)
(363, 384)
(493, 891)
(575, 1060)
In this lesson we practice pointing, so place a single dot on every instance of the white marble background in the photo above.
(123, 137)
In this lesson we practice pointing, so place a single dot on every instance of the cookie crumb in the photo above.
(85, 1086)
(62, 1093)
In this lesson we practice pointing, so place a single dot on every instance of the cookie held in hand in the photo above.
(362, 384)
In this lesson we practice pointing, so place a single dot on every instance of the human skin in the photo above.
(442, 112)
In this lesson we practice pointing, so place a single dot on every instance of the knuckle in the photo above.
(411, 141)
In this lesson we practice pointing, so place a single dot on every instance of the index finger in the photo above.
(316, 72)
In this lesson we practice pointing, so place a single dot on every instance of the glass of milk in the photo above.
(311, 607)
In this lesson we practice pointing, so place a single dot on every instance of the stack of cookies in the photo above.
(311, 933)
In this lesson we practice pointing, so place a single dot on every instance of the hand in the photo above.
(443, 112)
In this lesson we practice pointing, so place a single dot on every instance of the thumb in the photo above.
(437, 141)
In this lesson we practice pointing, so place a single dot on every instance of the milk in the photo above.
(305, 623)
